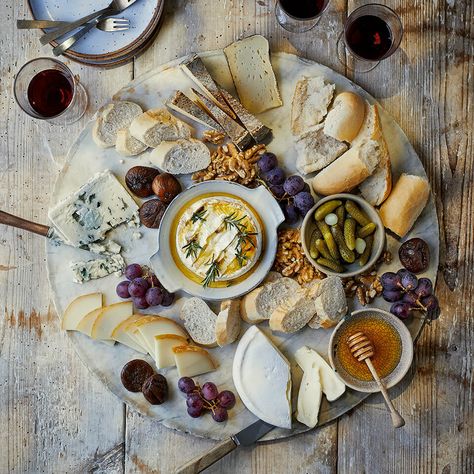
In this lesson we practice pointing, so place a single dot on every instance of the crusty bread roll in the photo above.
(405, 203)
(349, 170)
(248, 307)
(293, 314)
(344, 120)
(228, 322)
(127, 145)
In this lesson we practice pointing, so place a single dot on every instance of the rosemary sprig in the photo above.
(192, 249)
(244, 237)
(241, 257)
(232, 221)
(198, 216)
(212, 272)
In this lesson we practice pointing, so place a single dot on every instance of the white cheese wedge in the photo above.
(119, 334)
(87, 322)
(155, 327)
(262, 377)
(130, 328)
(192, 360)
(331, 384)
(78, 308)
(309, 397)
(109, 318)
(164, 344)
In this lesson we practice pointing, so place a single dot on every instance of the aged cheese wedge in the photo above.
(331, 384)
(262, 377)
(87, 322)
(79, 308)
(309, 397)
(164, 344)
(131, 329)
(119, 334)
(109, 318)
(192, 360)
(155, 327)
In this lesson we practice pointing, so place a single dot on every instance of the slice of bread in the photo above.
(181, 156)
(228, 322)
(311, 100)
(272, 276)
(293, 314)
(200, 321)
(111, 118)
(274, 294)
(345, 119)
(330, 304)
(157, 125)
(251, 69)
(349, 170)
(376, 188)
(405, 203)
(316, 150)
(248, 308)
(127, 145)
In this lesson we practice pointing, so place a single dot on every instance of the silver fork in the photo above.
(107, 24)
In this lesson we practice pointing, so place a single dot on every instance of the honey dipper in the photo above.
(362, 349)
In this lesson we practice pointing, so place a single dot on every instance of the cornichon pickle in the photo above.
(366, 230)
(331, 264)
(317, 233)
(323, 250)
(341, 214)
(359, 215)
(329, 239)
(325, 209)
(350, 233)
(346, 254)
(313, 250)
(364, 258)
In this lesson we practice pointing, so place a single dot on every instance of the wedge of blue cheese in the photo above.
(97, 268)
(86, 215)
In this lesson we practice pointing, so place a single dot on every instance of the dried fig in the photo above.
(166, 187)
(414, 255)
(135, 373)
(151, 213)
(155, 389)
(139, 180)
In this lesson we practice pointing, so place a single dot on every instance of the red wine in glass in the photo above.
(369, 37)
(303, 8)
(50, 92)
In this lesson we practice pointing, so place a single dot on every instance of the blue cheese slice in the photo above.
(98, 268)
(98, 206)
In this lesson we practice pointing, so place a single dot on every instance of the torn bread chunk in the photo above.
(236, 132)
(127, 145)
(198, 73)
(256, 128)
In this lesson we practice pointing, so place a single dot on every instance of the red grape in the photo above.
(219, 414)
(133, 271)
(226, 399)
(409, 281)
(194, 412)
(304, 201)
(168, 298)
(291, 213)
(194, 400)
(411, 298)
(154, 296)
(293, 185)
(392, 295)
(424, 288)
(140, 302)
(430, 303)
(390, 281)
(209, 391)
(186, 384)
(267, 162)
(153, 280)
(138, 287)
(274, 176)
(401, 310)
(122, 289)
(277, 191)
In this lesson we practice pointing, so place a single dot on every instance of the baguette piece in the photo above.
(348, 171)
(181, 156)
(157, 125)
(274, 294)
(182, 104)
(200, 321)
(405, 203)
(310, 103)
(248, 307)
(316, 150)
(345, 119)
(330, 303)
(111, 118)
(249, 121)
(198, 73)
(251, 69)
(228, 322)
(127, 145)
(293, 313)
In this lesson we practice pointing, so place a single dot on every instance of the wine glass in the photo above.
(371, 33)
(46, 89)
(298, 16)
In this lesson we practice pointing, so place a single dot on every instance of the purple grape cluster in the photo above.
(143, 287)
(293, 192)
(408, 293)
(207, 397)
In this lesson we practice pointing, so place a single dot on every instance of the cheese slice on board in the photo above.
(119, 334)
(164, 344)
(131, 329)
(159, 325)
(192, 360)
(87, 322)
(109, 318)
(78, 308)
(309, 397)
(331, 384)
(262, 377)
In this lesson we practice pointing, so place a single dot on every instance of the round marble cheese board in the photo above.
(85, 159)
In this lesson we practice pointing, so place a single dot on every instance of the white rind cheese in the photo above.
(262, 377)
(89, 213)
(98, 268)
(309, 397)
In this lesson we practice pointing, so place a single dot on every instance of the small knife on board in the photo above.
(247, 437)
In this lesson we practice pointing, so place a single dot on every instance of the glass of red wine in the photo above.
(371, 33)
(299, 16)
(47, 90)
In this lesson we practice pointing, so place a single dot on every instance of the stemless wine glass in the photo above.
(371, 33)
(298, 16)
(46, 89)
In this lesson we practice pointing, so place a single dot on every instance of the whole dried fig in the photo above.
(414, 255)
(151, 213)
(166, 187)
(155, 389)
(139, 180)
(134, 374)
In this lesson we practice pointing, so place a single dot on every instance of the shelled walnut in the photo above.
(213, 136)
(366, 287)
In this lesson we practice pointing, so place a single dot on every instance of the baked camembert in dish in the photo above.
(218, 239)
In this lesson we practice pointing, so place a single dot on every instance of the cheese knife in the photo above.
(247, 437)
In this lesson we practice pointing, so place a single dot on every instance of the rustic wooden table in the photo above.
(56, 417)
